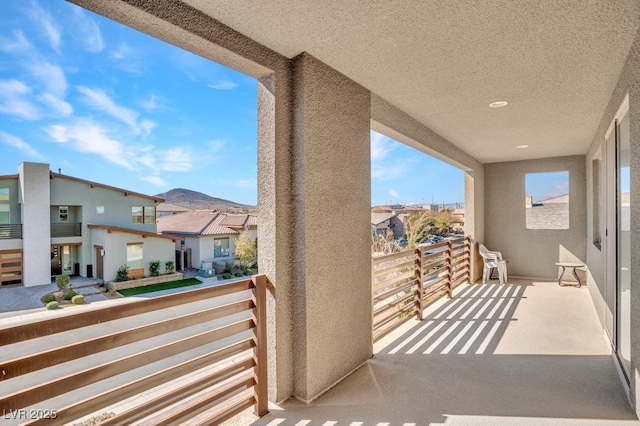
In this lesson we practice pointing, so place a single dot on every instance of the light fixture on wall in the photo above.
(498, 104)
(522, 146)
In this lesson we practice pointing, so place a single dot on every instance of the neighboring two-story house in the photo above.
(207, 235)
(52, 224)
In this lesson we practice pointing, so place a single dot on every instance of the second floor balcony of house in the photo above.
(61, 230)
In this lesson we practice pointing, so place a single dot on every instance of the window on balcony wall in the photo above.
(136, 215)
(547, 200)
(64, 213)
(135, 258)
(221, 247)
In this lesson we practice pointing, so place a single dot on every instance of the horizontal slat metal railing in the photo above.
(216, 334)
(404, 283)
(11, 231)
(60, 230)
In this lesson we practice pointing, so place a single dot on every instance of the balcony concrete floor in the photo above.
(527, 353)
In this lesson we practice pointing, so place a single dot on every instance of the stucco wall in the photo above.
(628, 82)
(332, 298)
(533, 252)
(115, 248)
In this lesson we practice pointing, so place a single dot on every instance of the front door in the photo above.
(99, 262)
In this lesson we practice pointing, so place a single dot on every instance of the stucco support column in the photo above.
(330, 223)
(35, 195)
(474, 215)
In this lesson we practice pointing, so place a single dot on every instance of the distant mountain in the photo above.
(197, 200)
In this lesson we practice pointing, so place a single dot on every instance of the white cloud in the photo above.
(122, 51)
(178, 159)
(20, 145)
(381, 146)
(88, 31)
(51, 76)
(237, 183)
(151, 104)
(18, 45)
(216, 144)
(155, 180)
(98, 99)
(58, 105)
(223, 85)
(386, 162)
(89, 137)
(13, 100)
(394, 193)
(45, 20)
(147, 126)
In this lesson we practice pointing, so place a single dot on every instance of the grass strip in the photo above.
(134, 291)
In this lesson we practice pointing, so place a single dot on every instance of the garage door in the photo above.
(10, 267)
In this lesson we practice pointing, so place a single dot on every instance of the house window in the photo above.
(5, 214)
(221, 247)
(64, 213)
(149, 215)
(99, 209)
(597, 236)
(547, 200)
(136, 215)
(5, 209)
(135, 256)
(143, 214)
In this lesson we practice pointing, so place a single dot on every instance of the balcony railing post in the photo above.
(420, 290)
(449, 269)
(262, 397)
(467, 242)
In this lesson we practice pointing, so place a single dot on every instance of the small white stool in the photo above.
(573, 267)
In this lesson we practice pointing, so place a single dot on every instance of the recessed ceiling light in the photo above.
(522, 146)
(498, 104)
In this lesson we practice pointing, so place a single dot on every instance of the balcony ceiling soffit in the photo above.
(555, 61)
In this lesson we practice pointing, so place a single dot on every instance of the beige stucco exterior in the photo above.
(533, 253)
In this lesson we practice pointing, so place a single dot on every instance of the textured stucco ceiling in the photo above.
(555, 61)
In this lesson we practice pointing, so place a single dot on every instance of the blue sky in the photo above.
(106, 103)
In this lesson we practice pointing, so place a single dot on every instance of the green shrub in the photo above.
(62, 281)
(68, 295)
(48, 298)
(226, 276)
(154, 268)
(239, 274)
(169, 267)
(219, 267)
(247, 271)
(78, 299)
(122, 274)
(52, 305)
(230, 267)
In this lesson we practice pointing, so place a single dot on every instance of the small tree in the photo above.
(62, 281)
(246, 250)
(122, 274)
(169, 267)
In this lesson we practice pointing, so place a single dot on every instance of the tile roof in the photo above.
(203, 222)
(377, 218)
